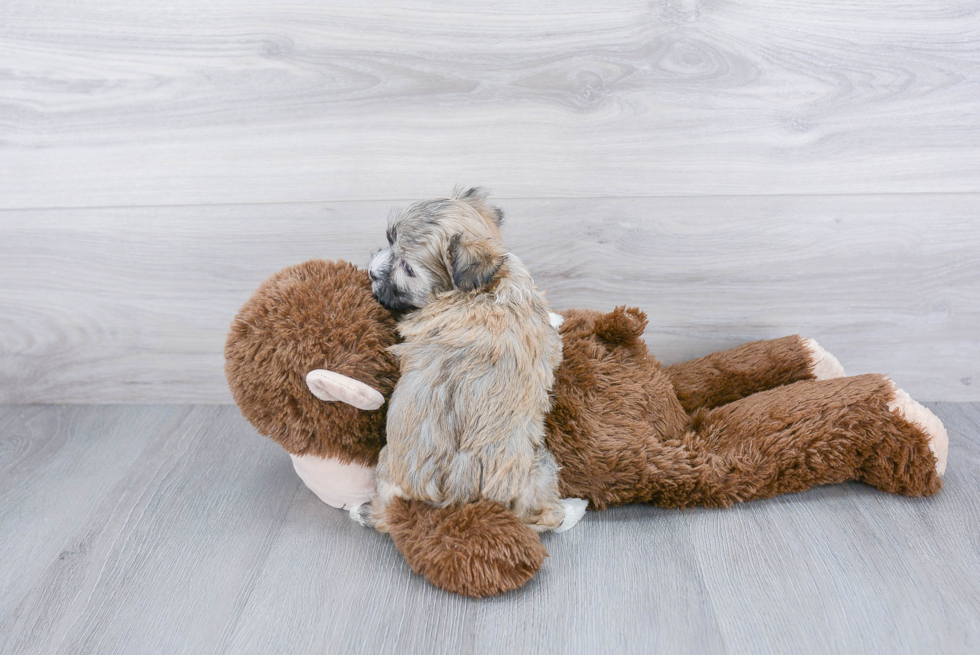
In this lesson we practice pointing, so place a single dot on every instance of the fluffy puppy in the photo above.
(466, 419)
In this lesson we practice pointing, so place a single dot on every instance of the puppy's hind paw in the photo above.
(361, 514)
(574, 511)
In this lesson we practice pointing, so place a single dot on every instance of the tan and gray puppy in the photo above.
(466, 419)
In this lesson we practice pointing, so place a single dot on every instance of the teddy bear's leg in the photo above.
(729, 375)
(818, 432)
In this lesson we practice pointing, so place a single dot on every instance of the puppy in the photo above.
(466, 419)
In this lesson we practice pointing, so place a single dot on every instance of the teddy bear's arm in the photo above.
(729, 375)
(332, 386)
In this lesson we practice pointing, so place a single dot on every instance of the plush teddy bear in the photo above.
(762, 419)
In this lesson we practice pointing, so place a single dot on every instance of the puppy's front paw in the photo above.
(574, 511)
(555, 319)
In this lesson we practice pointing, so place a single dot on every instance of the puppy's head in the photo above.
(436, 246)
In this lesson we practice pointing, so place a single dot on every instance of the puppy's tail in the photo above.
(478, 549)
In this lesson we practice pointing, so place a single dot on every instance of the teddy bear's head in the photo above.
(316, 315)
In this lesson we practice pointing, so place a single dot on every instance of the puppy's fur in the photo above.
(466, 419)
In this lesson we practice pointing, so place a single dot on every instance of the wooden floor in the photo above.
(176, 529)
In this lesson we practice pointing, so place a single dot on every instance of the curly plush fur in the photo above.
(739, 425)
(619, 430)
(476, 549)
(314, 315)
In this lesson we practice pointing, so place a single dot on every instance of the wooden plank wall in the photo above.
(739, 169)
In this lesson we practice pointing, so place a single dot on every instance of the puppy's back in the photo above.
(466, 420)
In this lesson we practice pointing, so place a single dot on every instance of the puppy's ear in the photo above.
(473, 264)
(476, 198)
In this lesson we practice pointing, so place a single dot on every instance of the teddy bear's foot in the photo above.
(574, 511)
(910, 410)
(824, 366)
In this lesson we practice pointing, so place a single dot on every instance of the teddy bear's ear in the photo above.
(473, 263)
(622, 326)
(476, 198)
(332, 386)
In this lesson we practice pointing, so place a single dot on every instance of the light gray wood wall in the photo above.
(739, 169)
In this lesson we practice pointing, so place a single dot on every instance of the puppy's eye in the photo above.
(408, 269)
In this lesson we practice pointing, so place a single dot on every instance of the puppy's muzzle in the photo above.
(385, 291)
(380, 267)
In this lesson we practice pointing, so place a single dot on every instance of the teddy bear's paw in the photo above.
(906, 407)
(823, 365)
(574, 511)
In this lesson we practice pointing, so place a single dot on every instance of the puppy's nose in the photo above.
(372, 275)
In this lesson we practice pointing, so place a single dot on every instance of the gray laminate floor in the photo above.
(176, 529)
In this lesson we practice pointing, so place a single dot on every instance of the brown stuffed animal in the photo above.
(762, 419)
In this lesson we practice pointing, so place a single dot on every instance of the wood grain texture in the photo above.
(57, 463)
(133, 304)
(130, 102)
(161, 553)
(198, 538)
